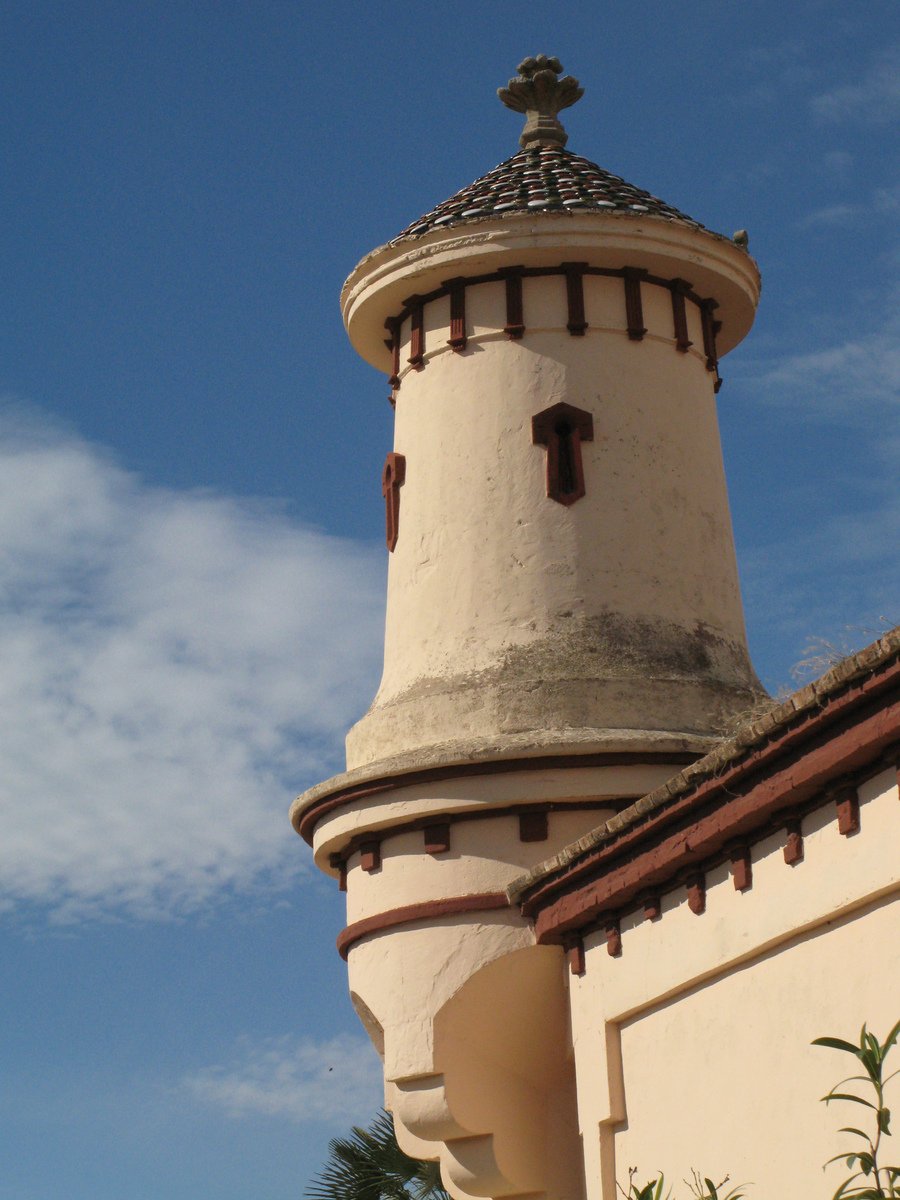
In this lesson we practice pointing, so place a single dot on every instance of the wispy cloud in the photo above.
(831, 214)
(855, 378)
(772, 72)
(837, 582)
(838, 162)
(883, 201)
(174, 668)
(296, 1079)
(845, 379)
(823, 573)
(874, 98)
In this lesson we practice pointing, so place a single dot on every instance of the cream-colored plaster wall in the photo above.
(472, 1021)
(518, 627)
(509, 613)
(484, 856)
(692, 1047)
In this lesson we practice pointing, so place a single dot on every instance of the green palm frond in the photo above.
(369, 1165)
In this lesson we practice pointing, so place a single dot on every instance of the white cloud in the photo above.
(297, 1079)
(884, 201)
(831, 214)
(874, 98)
(175, 666)
(838, 162)
(854, 379)
(887, 200)
(849, 377)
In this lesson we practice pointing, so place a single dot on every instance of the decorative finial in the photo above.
(740, 237)
(538, 93)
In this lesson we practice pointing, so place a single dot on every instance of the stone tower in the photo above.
(564, 624)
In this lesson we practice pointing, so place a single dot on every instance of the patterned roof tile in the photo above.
(543, 178)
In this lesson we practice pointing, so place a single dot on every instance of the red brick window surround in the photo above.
(392, 478)
(562, 428)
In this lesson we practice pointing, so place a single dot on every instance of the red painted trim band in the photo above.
(428, 910)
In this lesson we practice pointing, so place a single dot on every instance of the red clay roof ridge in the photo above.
(750, 735)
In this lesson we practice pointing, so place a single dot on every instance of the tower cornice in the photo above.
(718, 269)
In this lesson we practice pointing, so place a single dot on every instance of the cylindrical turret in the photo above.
(564, 624)
(519, 618)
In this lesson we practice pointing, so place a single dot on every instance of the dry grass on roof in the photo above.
(759, 728)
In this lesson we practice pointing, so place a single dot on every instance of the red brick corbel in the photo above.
(574, 947)
(393, 476)
(533, 826)
(847, 802)
(634, 309)
(392, 325)
(574, 272)
(437, 837)
(707, 308)
(679, 314)
(338, 863)
(716, 330)
(457, 290)
(696, 893)
(417, 331)
(741, 868)
(652, 908)
(370, 855)
(793, 842)
(515, 321)
(613, 939)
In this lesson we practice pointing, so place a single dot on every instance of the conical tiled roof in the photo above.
(543, 178)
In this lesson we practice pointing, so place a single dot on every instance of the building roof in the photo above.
(543, 178)
(812, 715)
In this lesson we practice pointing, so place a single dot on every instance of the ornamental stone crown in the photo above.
(538, 92)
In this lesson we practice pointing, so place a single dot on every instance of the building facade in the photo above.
(576, 838)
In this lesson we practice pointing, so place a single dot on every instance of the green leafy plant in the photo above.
(369, 1165)
(872, 1180)
(701, 1187)
(705, 1189)
(650, 1191)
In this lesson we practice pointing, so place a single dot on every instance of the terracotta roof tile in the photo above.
(543, 179)
(780, 717)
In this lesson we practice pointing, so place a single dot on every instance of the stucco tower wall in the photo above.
(514, 620)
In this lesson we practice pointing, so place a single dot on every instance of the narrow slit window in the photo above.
(568, 476)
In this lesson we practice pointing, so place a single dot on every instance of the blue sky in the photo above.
(190, 483)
